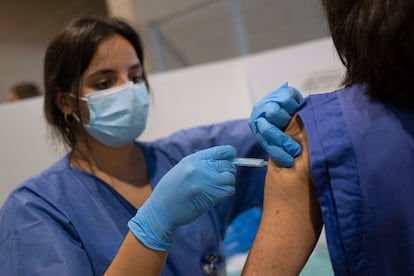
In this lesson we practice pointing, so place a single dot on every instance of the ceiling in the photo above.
(145, 11)
(28, 21)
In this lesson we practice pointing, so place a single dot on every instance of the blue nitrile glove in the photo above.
(269, 117)
(197, 183)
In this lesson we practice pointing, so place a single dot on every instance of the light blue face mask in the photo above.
(117, 115)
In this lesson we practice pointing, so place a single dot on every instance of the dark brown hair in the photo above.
(375, 42)
(67, 58)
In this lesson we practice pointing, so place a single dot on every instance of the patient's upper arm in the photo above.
(291, 220)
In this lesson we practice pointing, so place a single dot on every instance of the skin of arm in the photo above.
(291, 222)
(133, 258)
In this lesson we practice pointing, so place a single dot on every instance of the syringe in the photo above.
(249, 162)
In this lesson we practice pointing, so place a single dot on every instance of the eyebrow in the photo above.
(136, 66)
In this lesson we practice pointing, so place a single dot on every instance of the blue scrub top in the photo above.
(362, 160)
(65, 221)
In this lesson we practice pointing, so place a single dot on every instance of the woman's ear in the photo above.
(63, 101)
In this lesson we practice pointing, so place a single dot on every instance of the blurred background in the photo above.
(176, 33)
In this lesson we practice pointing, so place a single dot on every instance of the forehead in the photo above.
(114, 52)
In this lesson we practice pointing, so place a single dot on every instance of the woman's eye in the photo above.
(103, 85)
(137, 79)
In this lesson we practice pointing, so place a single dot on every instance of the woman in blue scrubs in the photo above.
(80, 214)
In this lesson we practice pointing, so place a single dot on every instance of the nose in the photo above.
(122, 79)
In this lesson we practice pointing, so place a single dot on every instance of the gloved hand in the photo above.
(197, 183)
(269, 117)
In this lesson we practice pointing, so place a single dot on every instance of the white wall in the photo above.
(183, 98)
(24, 148)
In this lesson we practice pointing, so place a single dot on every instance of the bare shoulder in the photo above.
(297, 131)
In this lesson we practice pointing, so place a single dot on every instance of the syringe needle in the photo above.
(249, 162)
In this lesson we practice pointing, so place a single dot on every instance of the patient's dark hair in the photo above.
(375, 42)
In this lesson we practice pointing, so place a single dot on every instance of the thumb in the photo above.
(296, 95)
(225, 152)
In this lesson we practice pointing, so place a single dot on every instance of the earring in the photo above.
(70, 119)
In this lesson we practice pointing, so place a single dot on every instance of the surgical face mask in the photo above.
(117, 115)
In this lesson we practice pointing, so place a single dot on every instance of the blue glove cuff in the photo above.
(143, 231)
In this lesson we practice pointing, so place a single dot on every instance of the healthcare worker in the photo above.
(79, 217)
(355, 174)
